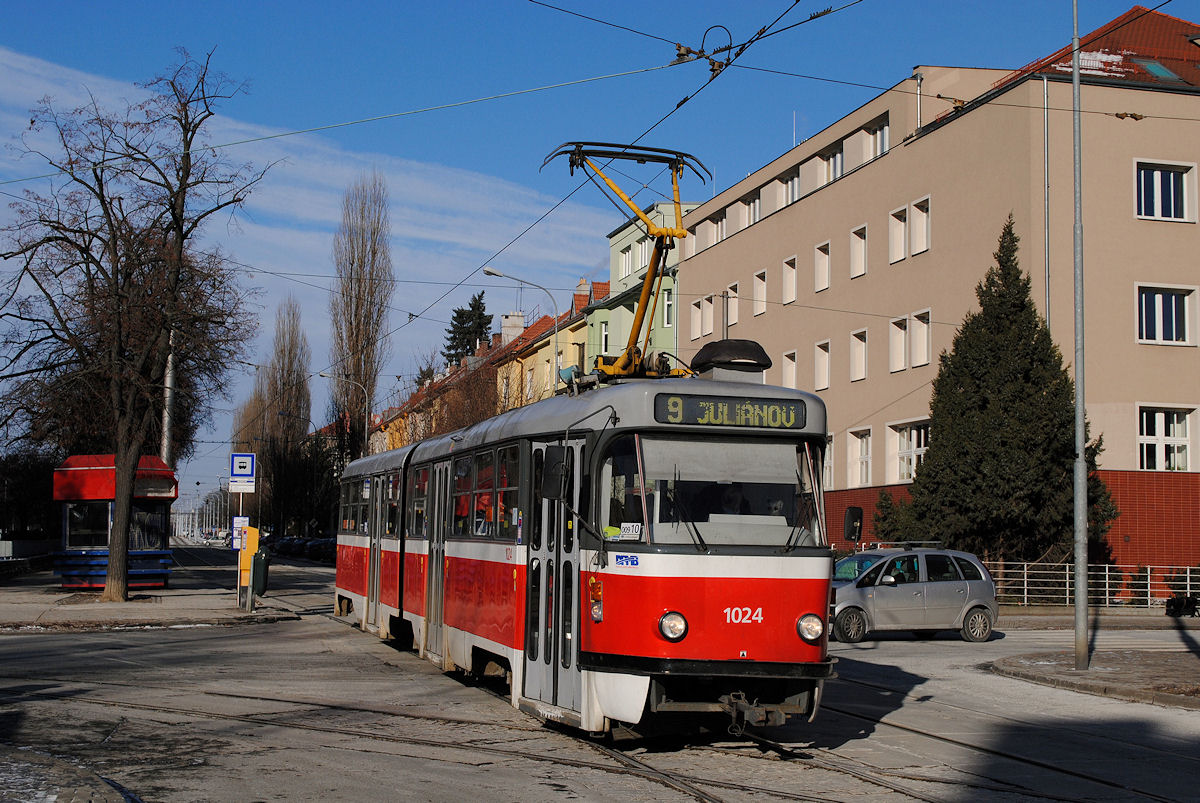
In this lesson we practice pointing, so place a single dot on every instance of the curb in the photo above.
(1009, 667)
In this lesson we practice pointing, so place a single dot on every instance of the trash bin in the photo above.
(260, 563)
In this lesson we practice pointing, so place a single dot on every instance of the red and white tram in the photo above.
(648, 549)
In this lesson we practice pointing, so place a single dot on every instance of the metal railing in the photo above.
(1126, 586)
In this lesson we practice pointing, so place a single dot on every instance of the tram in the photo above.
(650, 547)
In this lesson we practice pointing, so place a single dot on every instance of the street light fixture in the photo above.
(488, 270)
(367, 406)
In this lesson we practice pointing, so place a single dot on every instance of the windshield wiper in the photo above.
(692, 529)
(793, 542)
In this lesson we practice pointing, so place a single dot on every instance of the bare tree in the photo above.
(105, 262)
(358, 306)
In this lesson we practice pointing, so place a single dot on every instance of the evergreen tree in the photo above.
(997, 477)
(469, 325)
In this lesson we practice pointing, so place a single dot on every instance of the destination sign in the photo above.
(728, 411)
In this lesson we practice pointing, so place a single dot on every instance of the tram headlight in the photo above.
(673, 626)
(810, 627)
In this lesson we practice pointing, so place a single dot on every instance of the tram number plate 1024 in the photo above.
(743, 616)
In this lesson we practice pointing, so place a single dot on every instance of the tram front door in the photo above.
(552, 584)
(375, 513)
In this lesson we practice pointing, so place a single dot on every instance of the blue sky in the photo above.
(465, 181)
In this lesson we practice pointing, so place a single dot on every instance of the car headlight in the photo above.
(810, 627)
(673, 626)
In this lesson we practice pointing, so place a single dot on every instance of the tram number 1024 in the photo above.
(743, 616)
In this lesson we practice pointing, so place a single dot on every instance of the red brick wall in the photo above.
(1159, 523)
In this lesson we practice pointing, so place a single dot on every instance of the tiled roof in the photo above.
(1140, 46)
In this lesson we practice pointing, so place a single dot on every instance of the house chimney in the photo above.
(511, 325)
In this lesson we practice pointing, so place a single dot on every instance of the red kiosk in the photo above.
(86, 487)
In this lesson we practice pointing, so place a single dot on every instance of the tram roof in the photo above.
(632, 401)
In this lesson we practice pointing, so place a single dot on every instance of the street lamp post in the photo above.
(366, 405)
(488, 270)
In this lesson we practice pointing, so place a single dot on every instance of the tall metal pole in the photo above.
(1080, 476)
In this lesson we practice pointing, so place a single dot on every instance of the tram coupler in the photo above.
(746, 713)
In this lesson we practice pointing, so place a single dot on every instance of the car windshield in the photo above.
(713, 492)
(853, 566)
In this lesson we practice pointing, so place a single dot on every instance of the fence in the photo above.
(1127, 586)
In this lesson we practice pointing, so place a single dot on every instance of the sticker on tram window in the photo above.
(743, 616)
(631, 530)
(729, 411)
(627, 560)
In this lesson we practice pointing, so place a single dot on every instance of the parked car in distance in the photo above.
(922, 590)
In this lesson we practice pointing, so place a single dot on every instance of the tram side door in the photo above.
(552, 672)
(375, 526)
(439, 522)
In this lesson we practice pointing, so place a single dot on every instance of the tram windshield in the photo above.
(713, 492)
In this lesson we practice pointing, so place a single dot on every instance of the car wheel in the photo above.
(851, 626)
(977, 625)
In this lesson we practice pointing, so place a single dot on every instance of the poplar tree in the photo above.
(997, 477)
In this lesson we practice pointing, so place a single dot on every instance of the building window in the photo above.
(1163, 439)
(858, 355)
(722, 227)
(897, 234)
(1162, 191)
(668, 297)
(753, 210)
(1163, 314)
(827, 479)
(731, 304)
(919, 339)
(793, 187)
(911, 442)
(529, 383)
(877, 140)
(644, 250)
(604, 337)
(789, 281)
(626, 261)
(858, 252)
(821, 366)
(918, 227)
(860, 458)
(760, 292)
(821, 268)
(832, 165)
(898, 345)
(697, 319)
(706, 315)
(789, 369)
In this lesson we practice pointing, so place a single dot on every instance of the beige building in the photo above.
(853, 258)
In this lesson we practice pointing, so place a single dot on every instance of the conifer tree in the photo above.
(468, 325)
(997, 477)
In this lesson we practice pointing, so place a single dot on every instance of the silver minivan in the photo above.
(917, 589)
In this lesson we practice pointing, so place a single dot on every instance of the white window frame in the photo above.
(877, 137)
(920, 338)
(907, 443)
(1160, 291)
(760, 292)
(668, 296)
(697, 318)
(858, 251)
(832, 163)
(1187, 189)
(754, 209)
(731, 304)
(821, 267)
(792, 184)
(858, 458)
(858, 355)
(788, 379)
(644, 250)
(919, 226)
(821, 370)
(1165, 448)
(897, 235)
(626, 261)
(898, 344)
(706, 315)
(722, 224)
(604, 337)
(788, 279)
(827, 479)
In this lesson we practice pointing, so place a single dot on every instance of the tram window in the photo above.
(567, 616)
(461, 527)
(549, 625)
(349, 509)
(484, 505)
(507, 476)
(568, 538)
(417, 488)
(535, 518)
(534, 602)
(622, 513)
(87, 524)
(391, 527)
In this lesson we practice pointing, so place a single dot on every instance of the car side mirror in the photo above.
(554, 474)
(887, 580)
